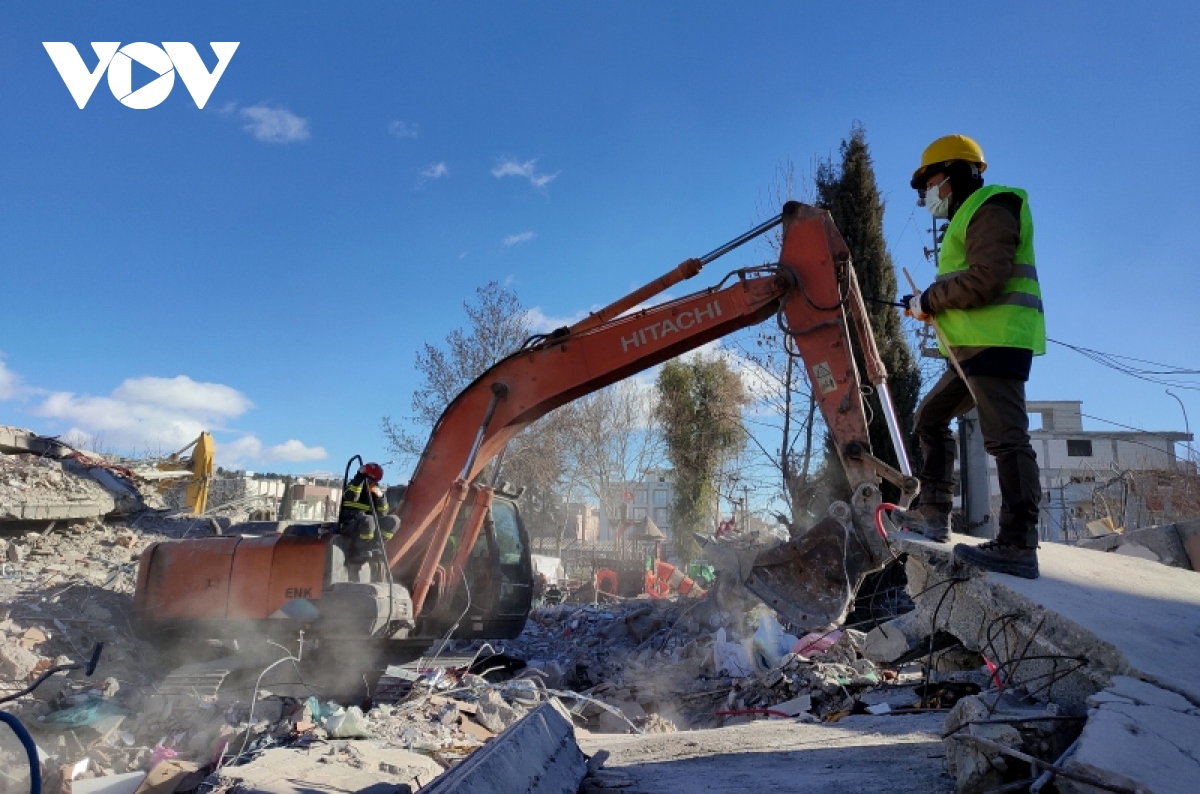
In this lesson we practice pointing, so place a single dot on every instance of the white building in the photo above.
(651, 497)
(1079, 466)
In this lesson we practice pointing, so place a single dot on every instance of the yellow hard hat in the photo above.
(950, 147)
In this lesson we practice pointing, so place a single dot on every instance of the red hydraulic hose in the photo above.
(879, 520)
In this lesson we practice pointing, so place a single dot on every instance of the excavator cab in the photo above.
(496, 589)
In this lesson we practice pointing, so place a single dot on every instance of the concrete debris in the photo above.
(43, 480)
(42, 489)
(1090, 617)
(339, 766)
(538, 754)
(1106, 642)
(1035, 730)
(1170, 544)
(652, 665)
(1137, 735)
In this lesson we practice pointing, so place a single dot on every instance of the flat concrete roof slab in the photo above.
(1148, 612)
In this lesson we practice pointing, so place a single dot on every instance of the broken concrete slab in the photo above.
(1189, 536)
(14, 440)
(538, 755)
(1162, 544)
(126, 783)
(334, 768)
(889, 641)
(1089, 617)
(33, 508)
(1138, 735)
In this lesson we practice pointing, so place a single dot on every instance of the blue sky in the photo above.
(268, 266)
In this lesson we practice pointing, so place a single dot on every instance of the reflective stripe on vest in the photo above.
(1015, 318)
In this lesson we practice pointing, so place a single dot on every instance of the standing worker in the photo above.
(364, 512)
(987, 305)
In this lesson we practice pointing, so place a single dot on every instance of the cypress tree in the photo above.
(850, 194)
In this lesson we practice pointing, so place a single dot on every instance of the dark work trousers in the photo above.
(363, 530)
(1005, 427)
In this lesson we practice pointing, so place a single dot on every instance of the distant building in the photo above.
(247, 494)
(651, 497)
(1089, 474)
(313, 502)
(582, 521)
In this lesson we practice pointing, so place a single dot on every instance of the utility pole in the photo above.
(1186, 428)
(746, 507)
(973, 477)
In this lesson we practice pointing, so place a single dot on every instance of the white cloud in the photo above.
(10, 383)
(516, 239)
(402, 129)
(435, 171)
(275, 125)
(527, 170)
(184, 394)
(164, 414)
(250, 450)
(542, 323)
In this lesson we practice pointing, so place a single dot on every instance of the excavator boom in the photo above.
(810, 292)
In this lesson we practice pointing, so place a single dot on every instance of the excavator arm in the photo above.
(258, 580)
(810, 292)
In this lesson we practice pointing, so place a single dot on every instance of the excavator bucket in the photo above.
(811, 580)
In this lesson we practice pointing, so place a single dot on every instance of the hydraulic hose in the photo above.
(35, 764)
(879, 518)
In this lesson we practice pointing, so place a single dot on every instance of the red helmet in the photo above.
(373, 471)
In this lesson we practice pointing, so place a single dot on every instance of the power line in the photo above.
(1128, 365)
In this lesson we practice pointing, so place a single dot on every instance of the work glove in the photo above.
(912, 307)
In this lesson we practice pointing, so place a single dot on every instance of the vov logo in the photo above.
(165, 61)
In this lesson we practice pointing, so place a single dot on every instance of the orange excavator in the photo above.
(460, 564)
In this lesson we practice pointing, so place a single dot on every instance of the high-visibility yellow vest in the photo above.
(1015, 318)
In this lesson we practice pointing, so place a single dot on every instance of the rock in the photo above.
(15, 553)
(493, 713)
(976, 768)
(16, 663)
(889, 641)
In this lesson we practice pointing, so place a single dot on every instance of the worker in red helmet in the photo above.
(364, 513)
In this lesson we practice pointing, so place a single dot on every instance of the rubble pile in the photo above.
(62, 590)
(28, 481)
(664, 665)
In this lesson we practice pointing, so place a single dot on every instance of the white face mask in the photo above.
(938, 207)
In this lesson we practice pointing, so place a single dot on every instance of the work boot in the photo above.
(930, 521)
(1001, 557)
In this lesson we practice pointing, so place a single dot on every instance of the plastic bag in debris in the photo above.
(771, 643)
(319, 712)
(87, 713)
(816, 642)
(731, 658)
(347, 724)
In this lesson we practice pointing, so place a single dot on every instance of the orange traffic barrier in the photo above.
(606, 581)
(656, 588)
(666, 577)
